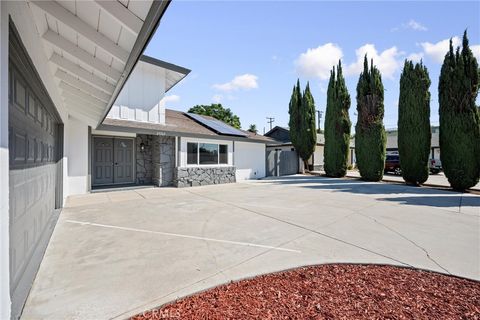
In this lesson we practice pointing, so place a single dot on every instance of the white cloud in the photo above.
(217, 98)
(244, 81)
(415, 25)
(416, 56)
(169, 99)
(318, 62)
(476, 51)
(437, 51)
(387, 61)
(412, 25)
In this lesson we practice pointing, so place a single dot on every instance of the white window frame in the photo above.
(183, 152)
(198, 164)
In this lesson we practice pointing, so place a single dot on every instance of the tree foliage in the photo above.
(294, 112)
(459, 117)
(217, 111)
(414, 133)
(337, 125)
(306, 133)
(370, 140)
(253, 128)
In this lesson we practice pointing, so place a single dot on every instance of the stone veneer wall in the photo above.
(163, 160)
(144, 165)
(201, 176)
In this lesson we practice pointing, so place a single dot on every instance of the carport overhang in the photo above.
(89, 58)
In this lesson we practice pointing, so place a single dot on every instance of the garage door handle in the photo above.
(116, 163)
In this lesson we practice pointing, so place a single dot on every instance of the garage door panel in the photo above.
(33, 135)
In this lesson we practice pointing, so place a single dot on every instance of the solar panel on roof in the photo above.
(217, 125)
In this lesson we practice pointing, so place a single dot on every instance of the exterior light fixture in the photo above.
(142, 147)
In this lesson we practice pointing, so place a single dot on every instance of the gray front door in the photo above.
(123, 161)
(103, 161)
(112, 161)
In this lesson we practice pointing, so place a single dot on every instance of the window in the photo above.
(192, 150)
(223, 154)
(207, 153)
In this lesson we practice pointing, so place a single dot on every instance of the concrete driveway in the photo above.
(119, 253)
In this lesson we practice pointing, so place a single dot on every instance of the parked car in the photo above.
(392, 164)
(435, 166)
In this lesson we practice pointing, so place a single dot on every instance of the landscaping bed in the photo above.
(340, 291)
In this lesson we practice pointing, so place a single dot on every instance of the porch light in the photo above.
(142, 147)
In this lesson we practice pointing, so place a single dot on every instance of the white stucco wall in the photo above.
(249, 160)
(76, 152)
(4, 178)
(183, 151)
(140, 98)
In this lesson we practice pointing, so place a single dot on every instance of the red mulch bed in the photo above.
(333, 292)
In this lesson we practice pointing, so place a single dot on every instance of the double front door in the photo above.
(112, 161)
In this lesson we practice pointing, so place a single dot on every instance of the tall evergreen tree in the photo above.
(294, 112)
(337, 125)
(459, 117)
(306, 133)
(370, 137)
(414, 133)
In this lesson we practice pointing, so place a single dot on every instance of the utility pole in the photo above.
(319, 118)
(271, 120)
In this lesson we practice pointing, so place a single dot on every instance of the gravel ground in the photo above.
(333, 292)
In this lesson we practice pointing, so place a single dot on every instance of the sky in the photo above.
(247, 55)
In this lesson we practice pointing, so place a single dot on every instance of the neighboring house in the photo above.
(283, 142)
(62, 66)
(392, 142)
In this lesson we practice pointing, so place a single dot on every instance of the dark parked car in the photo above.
(392, 164)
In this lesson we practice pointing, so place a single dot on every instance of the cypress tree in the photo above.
(306, 133)
(294, 112)
(370, 136)
(414, 133)
(337, 125)
(459, 117)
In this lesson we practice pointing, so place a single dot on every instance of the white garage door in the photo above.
(34, 131)
(249, 160)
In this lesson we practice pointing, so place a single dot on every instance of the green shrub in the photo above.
(370, 137)
(337, 125)
(414, 133)
(459, 117)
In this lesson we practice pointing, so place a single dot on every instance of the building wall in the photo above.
(144, 160)
(202, 176)
(4, 173)
(140, 98)
(163, 160)
(76, 152)
(249, 160)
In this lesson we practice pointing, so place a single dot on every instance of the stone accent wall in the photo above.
(201, 176)
(144, 165)
(163, 160)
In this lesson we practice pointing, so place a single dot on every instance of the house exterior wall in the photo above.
(163, 161)
(249, 160)
(140, 98)
(76, 152)
(202, 176)
(4, 172)
(318, 158)
(144, 160)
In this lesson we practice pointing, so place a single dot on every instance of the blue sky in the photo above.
(248, 54)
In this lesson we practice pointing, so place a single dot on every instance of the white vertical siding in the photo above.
(249, 160)
(140, 98)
